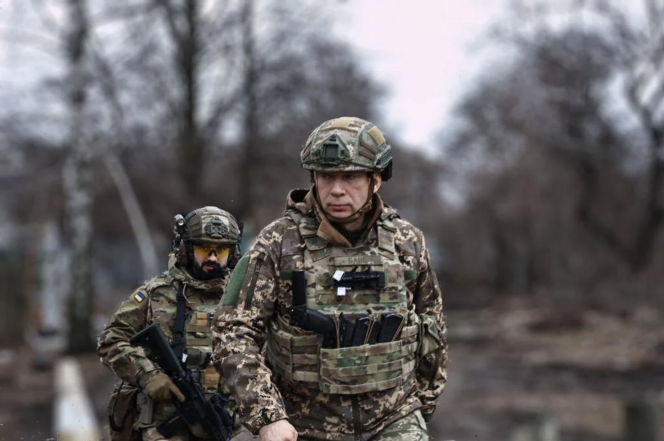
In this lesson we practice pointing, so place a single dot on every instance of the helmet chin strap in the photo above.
(359, 213)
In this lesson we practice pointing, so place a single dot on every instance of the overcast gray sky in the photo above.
(422, 50)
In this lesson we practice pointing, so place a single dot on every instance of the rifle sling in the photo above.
(178, 336)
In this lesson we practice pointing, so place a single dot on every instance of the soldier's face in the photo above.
(211, 257)
(343, 193)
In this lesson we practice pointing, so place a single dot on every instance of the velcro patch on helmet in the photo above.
(306, 151)
(376, 135)
(367, 150)
(216, 229)
(369, 147)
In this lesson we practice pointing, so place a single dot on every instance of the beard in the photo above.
(209, 271)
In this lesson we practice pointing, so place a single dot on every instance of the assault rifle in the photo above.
(212, 415)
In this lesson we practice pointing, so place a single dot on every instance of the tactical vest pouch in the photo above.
(351, 370)
(145, 409)
(122, 413)
(209, 379)
(367, 368)
(361, 369)
(430, 335)
(199, 350)
(294, 357)
(431, 350)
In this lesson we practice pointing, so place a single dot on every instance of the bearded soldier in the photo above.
(206, 245)
(342, 292)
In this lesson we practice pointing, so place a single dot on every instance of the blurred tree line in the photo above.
(559, 156)
(157, 107)
(548, 183)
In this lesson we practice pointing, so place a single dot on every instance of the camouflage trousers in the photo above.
(409, 428)
(151, 434)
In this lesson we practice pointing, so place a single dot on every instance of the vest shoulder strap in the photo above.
(307, 228)
(386, 234)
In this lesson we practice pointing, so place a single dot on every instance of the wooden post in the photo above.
(535, 426)
(74, 417)
(12, 299)
(642, 419)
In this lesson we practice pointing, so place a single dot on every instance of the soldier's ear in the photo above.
(377, 182)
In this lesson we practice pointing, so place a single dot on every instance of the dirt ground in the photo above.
(506, 365)
(578, 368)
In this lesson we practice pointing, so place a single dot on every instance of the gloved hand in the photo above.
(159, 388)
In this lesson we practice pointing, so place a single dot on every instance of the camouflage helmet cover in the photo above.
(211, 225)
(347, 144)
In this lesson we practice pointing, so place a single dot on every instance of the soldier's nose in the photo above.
(213, 256)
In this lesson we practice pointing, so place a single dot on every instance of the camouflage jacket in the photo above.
(155, 301)
(257, 294)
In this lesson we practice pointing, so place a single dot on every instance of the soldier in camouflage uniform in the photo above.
(298, 384)
(206, 244)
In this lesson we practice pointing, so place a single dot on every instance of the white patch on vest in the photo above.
(341, 291)
(184, 358)
(338, 274)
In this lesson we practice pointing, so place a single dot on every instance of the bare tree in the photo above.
(250, 146)
(202, 103)
(578, 69)
(77, 181)
(558, 156)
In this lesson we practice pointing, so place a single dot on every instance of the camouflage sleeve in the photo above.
(129, 363)
(432, 367)
(239, 332)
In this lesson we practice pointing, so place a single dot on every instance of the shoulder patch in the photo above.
(232, 293)
(139, 297)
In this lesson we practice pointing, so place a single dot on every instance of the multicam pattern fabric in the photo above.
(346, 144)
(155, 302)
(258, 302)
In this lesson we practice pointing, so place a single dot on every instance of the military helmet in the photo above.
(211, 225)
(347, 144)
(207, 225)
